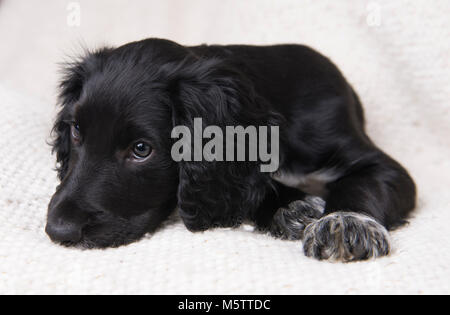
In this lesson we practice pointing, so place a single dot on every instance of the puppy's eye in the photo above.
(75, 132)
(141, 150)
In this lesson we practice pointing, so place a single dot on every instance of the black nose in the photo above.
(65, 232)
(65, 220)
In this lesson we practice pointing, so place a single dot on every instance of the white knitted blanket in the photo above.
(395, 53)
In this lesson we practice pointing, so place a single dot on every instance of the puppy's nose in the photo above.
(65, 232)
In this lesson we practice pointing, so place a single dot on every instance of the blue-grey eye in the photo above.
(75, 132)
(141, 150)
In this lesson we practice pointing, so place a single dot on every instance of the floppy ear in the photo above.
(218, 193)
(75, 75)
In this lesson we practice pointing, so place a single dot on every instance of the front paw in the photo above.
(289, 223)
(346, 236)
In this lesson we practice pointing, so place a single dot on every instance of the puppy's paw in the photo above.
(289, 223)
(346, 236)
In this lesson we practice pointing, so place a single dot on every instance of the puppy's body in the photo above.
(143, 89)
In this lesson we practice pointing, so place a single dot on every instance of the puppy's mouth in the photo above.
(104, 231)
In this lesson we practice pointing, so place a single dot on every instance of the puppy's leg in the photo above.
(374, 196)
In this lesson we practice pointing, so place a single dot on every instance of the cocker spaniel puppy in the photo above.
(114, 139)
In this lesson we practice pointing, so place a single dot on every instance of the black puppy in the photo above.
(119, 181)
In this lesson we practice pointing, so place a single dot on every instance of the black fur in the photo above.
(143, 89)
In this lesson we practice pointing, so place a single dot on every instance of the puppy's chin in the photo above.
(99, 243)
(108, 231)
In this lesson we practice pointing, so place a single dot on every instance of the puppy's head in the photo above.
(112, 142)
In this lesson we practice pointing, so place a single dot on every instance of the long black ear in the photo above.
(75, 74)
(218, 193)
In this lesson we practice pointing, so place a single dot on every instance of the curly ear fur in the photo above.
(71, 86)
(218, 193)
